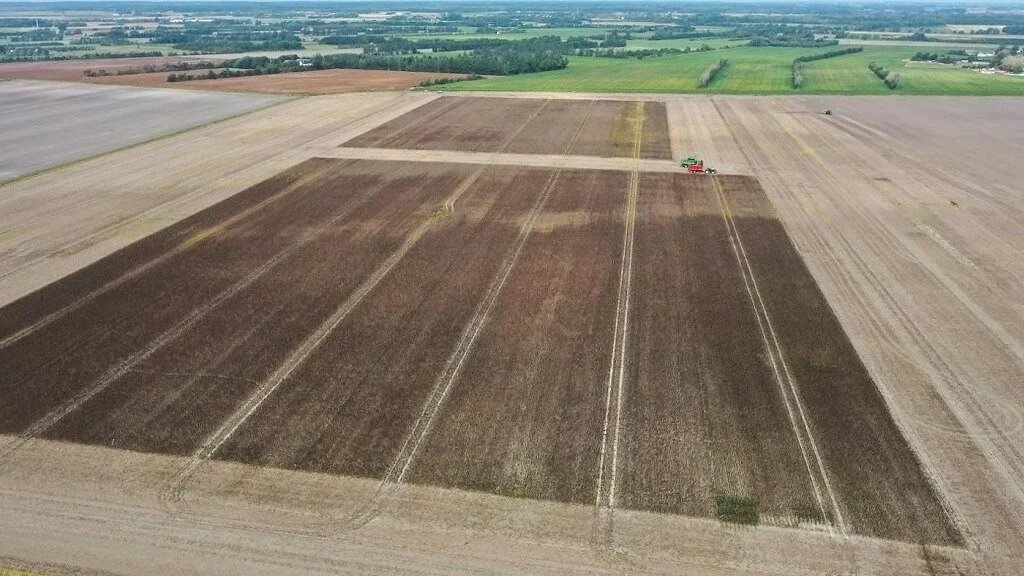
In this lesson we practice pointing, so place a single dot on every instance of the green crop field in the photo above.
(754, 70)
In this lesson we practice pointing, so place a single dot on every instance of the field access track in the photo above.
(521, 125)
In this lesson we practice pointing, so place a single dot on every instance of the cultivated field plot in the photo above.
(454, 325)
(46, 124)
(529, 126)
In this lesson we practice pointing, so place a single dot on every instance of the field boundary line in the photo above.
(181, 248)
(448, 376)
(774, 349)
(621, 329)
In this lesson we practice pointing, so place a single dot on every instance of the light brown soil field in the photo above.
(97, 509)
(57, 222)
(916, 258)
(537, 126)
(50, 123)
(525, 414)
(312, 82)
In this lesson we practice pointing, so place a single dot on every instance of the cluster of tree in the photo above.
(625, 54)
(1016, 29)
(395, 45)
(44, 54)
(891, 79)
(490, 62)
(933, 57)
(792, 43)
(798, 77)
(708, 75)
(150, 68)
(442, 81)
(678, 33)
(38, 35)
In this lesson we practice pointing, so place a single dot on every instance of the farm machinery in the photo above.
(696, 166)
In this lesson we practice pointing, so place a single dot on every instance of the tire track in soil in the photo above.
(617, 366)
(138, 271)
(388, 485)
(1004, 455)
(783, 377)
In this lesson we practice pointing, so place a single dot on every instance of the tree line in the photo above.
(798, 77)
(891, 79)
(486, 62)
(711, 72)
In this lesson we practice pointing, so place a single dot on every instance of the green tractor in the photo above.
(689, 161)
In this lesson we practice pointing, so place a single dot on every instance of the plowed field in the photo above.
(534, 126)
(542, 333)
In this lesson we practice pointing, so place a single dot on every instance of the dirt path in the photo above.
(99, 509)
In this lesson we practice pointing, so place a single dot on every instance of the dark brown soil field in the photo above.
(499, 287)
(524, 419)
(525, 125)
(352, 405)
(213, 251)
(696, 369)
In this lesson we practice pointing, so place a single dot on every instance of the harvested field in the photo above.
(312, 82)
(46, 124)
(55, 223)
(537, 126)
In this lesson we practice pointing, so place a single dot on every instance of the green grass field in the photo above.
(753, 71)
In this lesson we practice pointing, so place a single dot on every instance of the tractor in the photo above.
(700, 169)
